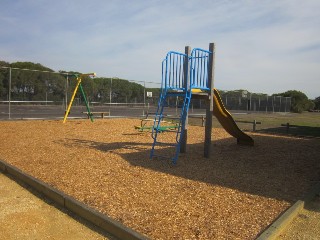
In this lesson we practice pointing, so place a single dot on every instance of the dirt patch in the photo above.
(306, 225)
(234, 194)
(25, 216)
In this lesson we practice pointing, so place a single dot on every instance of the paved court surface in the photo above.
(25, 216)
(18, 112)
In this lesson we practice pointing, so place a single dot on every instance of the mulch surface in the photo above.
(234, 194)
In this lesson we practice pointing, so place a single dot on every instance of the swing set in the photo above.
(79, 86)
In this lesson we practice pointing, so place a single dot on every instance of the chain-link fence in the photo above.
(249, 102)
(23, 92)
(245, 101)
(26, 93)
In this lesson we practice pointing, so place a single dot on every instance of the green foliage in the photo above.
(299, 101)
(29, 85)
(35, 85)
(121, 90)
(3, 80)
(30, 65)
(39, 86)
(317, 103)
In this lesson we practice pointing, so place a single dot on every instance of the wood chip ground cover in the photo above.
(234, 194)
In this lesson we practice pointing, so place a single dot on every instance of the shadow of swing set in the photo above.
(188, 75)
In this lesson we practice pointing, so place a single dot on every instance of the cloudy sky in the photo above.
(266, 46)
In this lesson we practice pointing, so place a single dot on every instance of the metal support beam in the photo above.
(209, 110)
(184, 140)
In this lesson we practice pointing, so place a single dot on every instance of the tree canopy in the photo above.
(33, 85)
(299, 101)
(317, 103)
(42, 83)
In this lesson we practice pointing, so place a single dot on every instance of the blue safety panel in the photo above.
(173, 71)
(199, 65)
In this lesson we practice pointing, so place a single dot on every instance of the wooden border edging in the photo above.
(100, 220)
(281, 223)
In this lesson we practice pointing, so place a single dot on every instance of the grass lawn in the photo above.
(306, 124)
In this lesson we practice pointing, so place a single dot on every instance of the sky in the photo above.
(263, 46)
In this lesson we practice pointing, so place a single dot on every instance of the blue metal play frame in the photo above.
(176, 69)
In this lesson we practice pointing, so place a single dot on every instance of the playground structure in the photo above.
(191, 75)
(79, 85)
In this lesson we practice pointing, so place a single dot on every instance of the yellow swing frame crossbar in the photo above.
(79, 78)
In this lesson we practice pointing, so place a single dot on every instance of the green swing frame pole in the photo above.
(86, 102)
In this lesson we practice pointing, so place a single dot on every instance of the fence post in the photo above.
(254, 125)
(9, 94)
(287, 128)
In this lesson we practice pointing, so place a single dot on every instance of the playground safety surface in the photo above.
(236, 193)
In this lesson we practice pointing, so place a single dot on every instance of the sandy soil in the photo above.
(25, 216)
(306, 225)
(235, 194)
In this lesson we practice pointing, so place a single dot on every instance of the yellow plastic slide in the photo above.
(227, 122)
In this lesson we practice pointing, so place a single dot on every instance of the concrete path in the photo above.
(25, 216)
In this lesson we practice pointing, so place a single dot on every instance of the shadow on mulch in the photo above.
(293, 130)
(314, 205)
(283, 170)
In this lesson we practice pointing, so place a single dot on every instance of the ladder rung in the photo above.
(175, 119)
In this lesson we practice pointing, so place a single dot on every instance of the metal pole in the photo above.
(209, 101)
(176, 105)
(280, 104)
(290, 105)
(248, 103)
(110, 90)
(9, 95)
(285, 106)
(272, 104)
(144, 94)
(67, 92)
